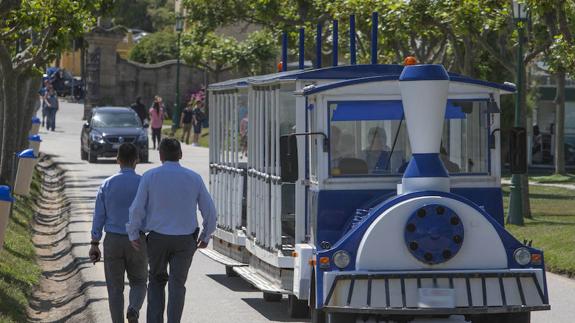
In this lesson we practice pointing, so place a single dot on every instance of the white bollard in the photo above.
(5, 203)
(34, 142)
(26, 162)
(35, 126)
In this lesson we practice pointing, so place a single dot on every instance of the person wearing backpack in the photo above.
(198, 119)
(186, 122)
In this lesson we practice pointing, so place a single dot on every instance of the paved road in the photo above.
(211, 297)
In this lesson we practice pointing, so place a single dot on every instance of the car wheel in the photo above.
(78, 94)
(92, 157)
(83, 154)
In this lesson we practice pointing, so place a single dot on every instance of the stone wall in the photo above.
(146, 81)
(114, 81)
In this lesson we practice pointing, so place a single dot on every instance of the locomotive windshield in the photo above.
(369, 138)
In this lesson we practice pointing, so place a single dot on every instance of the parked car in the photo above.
(108, 128)
(63, 82)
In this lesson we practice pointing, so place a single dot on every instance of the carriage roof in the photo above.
(342, 72)
(467, 82)
(348, 75)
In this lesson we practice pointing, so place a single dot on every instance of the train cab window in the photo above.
(369, 138)
(464, 144)
(362, 136)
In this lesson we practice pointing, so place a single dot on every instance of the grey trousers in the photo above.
(177, 251)
(121, 258)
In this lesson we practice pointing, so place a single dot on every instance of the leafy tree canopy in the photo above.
(155, 48)
(148, 15)
(32, 32)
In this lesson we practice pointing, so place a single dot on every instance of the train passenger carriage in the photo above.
(369, 190)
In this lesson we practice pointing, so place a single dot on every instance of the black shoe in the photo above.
(132, 315)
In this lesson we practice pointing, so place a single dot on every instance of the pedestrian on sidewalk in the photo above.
(198, 119)
(157, 114)
(52, 106)
(42, 94)
(186, 123)
(111, 214)
(165, 206)
(140, 109)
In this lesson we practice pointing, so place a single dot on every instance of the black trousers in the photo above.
(176, 251)
(156, 135)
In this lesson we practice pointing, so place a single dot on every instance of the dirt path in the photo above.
(59, 297)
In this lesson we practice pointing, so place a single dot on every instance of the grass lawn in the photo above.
(552, 228)
(18, 269)
(554, 179)
(204, 136)
(546, 176)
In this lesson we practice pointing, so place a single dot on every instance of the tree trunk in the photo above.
(10, 131)
(18, 104)
(560, 124)
(28, 104)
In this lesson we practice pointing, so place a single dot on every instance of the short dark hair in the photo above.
(170, 149)
(127, 153)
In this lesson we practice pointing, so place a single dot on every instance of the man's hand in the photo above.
(95, 254)
(136, 244)
(202, 244)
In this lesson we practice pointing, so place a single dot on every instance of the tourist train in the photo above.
(369, 192)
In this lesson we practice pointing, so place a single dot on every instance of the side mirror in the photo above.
(288, 158)
(518, 150)
(86, 125)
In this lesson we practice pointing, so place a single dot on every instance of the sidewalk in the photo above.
(208, 288)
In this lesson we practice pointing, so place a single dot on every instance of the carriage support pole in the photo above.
(301, 48)
(335, 42)
(318, 41)
(284, 51)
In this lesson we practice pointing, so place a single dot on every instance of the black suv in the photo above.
(108, 128)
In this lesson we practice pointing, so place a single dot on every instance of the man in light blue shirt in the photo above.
(165, 206)
(111, 214)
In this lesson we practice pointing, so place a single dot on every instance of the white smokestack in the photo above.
(424, 90)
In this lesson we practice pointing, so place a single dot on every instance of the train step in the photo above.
(259, 281)
(222, 259)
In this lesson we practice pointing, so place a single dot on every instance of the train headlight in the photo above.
(522, 256)
(341, 259)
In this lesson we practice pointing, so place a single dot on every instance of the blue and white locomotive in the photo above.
(369, 191)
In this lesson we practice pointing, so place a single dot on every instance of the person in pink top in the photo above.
(156, 113)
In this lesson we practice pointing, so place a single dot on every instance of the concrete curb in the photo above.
(78, 229)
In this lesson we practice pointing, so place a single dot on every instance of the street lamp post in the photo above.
(176, 115)
(515, 197)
